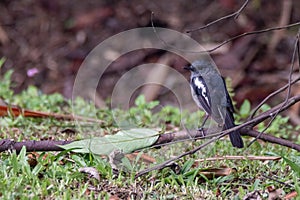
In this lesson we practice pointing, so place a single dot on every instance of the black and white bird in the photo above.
(210, 94)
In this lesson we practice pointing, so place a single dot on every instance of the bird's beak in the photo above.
(188, 68)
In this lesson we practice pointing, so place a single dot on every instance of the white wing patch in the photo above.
(203, 89)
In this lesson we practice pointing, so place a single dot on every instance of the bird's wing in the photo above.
(202, 92)
(229, 104)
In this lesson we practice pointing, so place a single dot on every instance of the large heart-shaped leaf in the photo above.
(125, 140)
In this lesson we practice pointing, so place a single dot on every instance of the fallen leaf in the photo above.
(32, 159)
(93, 172)
(114, 197)
(291, 195)
(261, 158)
(144, 157)
(275, 193)
(217, 172)
(16, 111)
(115, 159)
(125, 140)
(255, 195)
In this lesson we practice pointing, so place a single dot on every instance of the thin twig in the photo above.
(261, 158)
(251, 33)
(224, 42)
(288, 91)
(46, 145)
(166, 139)
(281, 107)
(167, 162)
(252, 122)
(274, 179)
(296, 49)
(235, 15)
(271, 139)
(270, 96)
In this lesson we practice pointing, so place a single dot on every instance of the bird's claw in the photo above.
(201, 129)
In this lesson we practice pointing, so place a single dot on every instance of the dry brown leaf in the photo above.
(275, 194)
(32, 159)
(114, 197)
(217, 172)
(255, 195)
(291, 195)
(115, 159)
(143, 157)
(17, 111)
(93, 172)
(261, 158)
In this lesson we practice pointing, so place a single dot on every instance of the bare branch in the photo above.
(224, 42)
(271, 139)
(235, 15)
(270, 96)
(245, 130)
(251, 33)
(288, 91)
(164, 139)
(46, 145)
(290, 82)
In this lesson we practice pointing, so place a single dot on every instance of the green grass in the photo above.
(55, 175)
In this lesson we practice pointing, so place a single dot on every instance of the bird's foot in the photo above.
(201, 129)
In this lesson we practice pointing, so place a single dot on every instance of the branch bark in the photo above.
(164, 139)
(245, 128)
(46, 145)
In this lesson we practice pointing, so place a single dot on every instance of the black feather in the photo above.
(234, 136)
(202, 95)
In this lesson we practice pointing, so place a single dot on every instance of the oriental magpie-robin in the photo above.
(210, 94)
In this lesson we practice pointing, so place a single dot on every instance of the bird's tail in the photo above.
(235, 137)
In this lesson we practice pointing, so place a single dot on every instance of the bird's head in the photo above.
(200, 66)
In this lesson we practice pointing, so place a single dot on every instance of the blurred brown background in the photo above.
(46, 41)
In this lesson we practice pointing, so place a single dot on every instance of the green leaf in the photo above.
(125, 140)
(293, 165)
(187, 166)
(245, 108)
(265, 108)
(2, 61)
(152, 104)
(140, 100)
